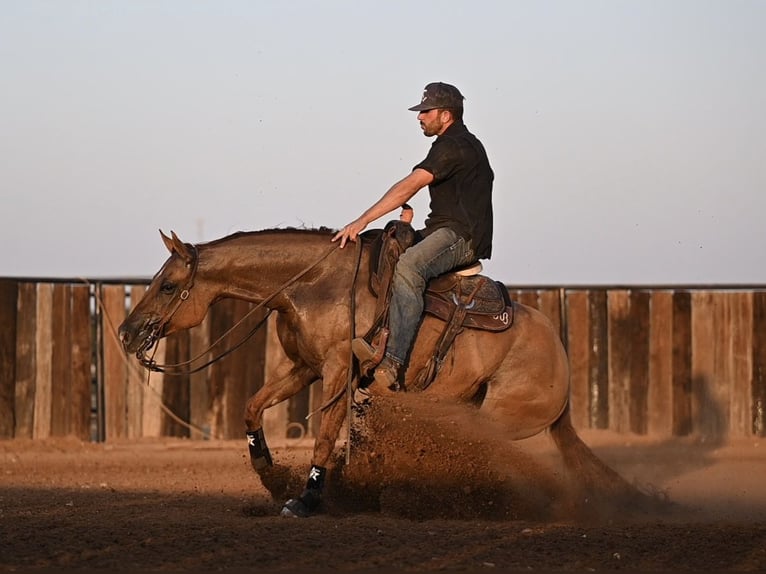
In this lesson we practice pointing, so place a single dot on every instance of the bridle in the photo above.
(158, 327)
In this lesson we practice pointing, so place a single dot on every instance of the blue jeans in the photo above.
(437, 253)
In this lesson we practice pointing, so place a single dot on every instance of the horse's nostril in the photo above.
(125, 337)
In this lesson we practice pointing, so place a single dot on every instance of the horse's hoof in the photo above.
(260, 463)
(295, 508)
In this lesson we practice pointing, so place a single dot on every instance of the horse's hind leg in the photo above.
(529, 389)
(592, 476)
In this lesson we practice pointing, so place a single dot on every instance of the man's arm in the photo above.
(399, 193)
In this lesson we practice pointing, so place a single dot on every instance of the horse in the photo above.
(518, 377)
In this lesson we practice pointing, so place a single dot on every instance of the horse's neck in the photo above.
(260, 267)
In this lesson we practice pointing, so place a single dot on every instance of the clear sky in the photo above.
(628, 137)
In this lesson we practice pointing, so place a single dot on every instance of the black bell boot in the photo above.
(309, 500)
(260, 457)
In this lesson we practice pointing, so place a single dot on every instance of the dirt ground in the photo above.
(420, 494)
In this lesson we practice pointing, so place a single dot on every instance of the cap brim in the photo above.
(421, 108)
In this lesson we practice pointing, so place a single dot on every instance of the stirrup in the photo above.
(369, 356)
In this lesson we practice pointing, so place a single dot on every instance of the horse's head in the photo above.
(170, 303)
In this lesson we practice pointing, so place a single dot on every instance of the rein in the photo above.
(352, 333)
(152, 365)
(349, 388)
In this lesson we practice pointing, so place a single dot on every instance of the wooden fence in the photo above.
(667, 361)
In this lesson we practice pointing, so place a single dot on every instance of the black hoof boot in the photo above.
(260, 457)
(296, 508)
(309, 500)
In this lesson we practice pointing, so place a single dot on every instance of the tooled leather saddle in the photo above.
(462, 298)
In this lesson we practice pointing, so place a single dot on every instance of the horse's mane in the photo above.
(321, 231)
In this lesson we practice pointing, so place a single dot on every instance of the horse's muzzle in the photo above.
(139, 340)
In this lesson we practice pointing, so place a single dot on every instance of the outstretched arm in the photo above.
(399, 193)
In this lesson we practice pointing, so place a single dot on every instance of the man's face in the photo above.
(433, 122)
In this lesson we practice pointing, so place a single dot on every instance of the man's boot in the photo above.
(386, 378)
(387, 371)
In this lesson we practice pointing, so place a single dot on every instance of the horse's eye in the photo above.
(167, 287)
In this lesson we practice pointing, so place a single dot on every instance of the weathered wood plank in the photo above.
(115, 363)
(579, 351)
(136, 380)
(628, 336)
(550, 305)
(639, 361)
(599, 359)
(61, 360)
(245, 366)
(660, 392)
(81, 340)
(200, 405)
(528, 297)
(740, 402)
(175, 390)
(619, 350)
(706, 412)
(758, 377)
(26, 360)
(223, 373)
(717, 410)
(8, 317)
(43, 376)
(143, 392)
(682, 363)
(154, 410)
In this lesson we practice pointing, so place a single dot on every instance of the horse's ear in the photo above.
(181, 248)
(167, 241)
(175, 245)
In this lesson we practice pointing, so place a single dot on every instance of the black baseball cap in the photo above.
(439, 95)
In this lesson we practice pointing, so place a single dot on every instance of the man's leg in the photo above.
(437, 253)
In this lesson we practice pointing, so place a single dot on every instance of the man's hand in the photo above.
(350, 232)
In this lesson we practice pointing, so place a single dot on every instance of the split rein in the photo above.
(178, 369)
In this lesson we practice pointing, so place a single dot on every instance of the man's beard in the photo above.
(432, 128)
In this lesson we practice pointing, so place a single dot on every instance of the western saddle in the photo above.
(462, 298)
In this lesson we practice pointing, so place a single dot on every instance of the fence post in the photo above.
(8, 317)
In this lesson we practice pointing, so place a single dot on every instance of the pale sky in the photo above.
(628, 137)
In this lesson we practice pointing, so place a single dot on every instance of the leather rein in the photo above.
(158, 327)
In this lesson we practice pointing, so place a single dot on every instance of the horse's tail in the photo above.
(591, 475)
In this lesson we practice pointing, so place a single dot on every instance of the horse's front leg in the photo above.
(293, 379)
(334, 401)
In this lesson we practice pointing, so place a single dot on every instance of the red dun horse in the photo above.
(519, 376)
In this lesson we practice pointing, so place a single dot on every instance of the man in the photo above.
(458, 230)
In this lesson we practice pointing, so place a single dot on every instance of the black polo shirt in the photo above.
(461, 192)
